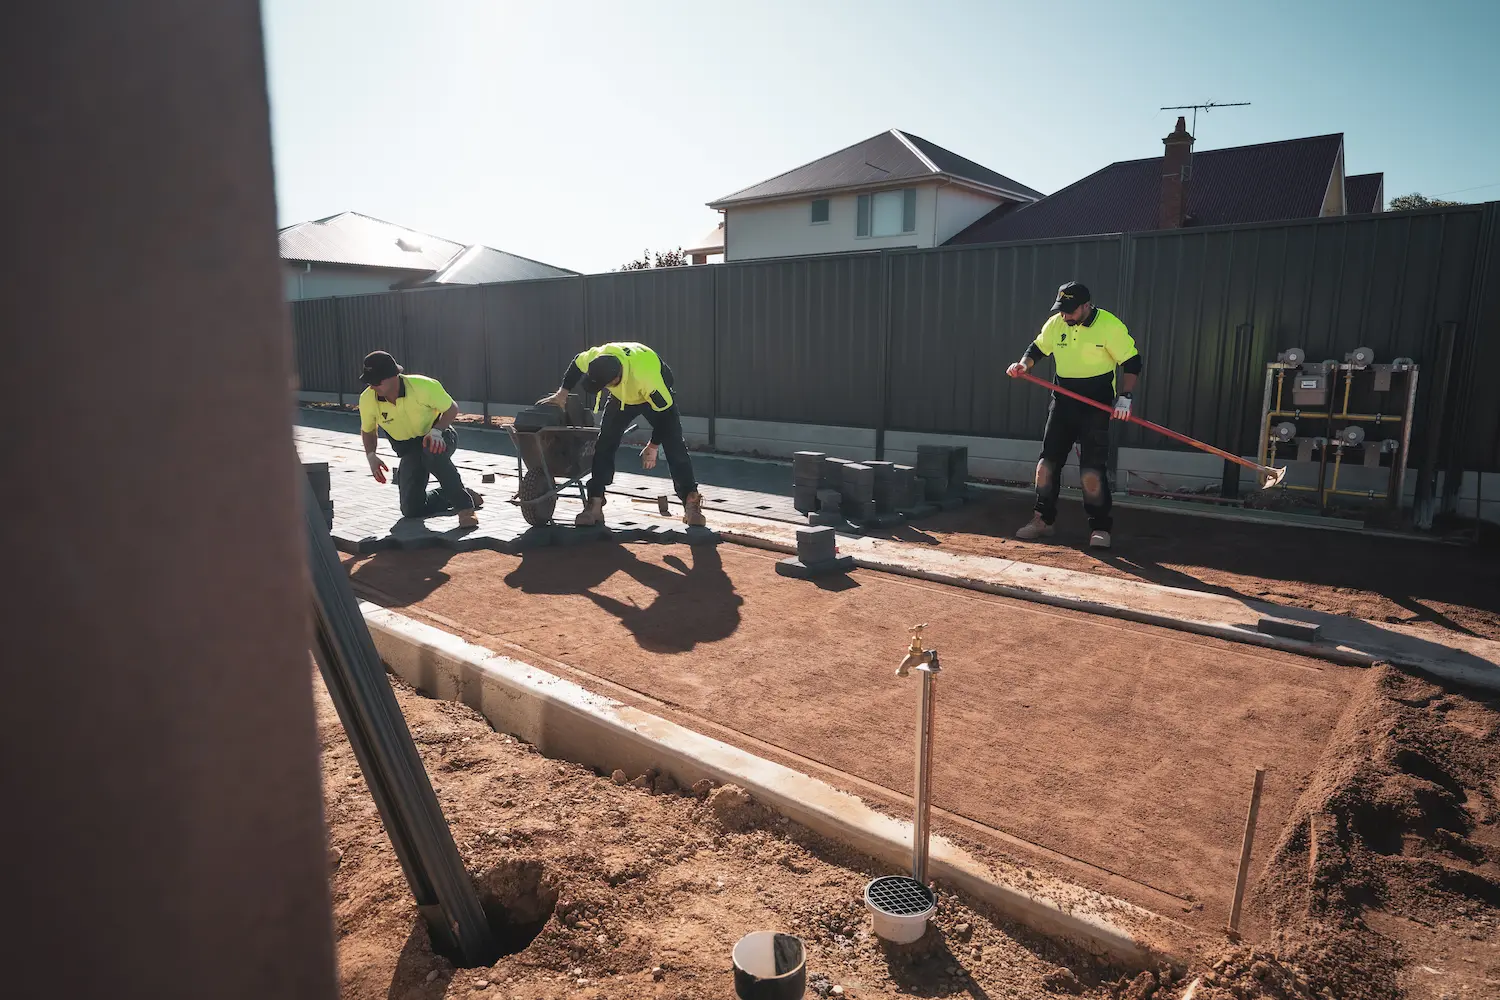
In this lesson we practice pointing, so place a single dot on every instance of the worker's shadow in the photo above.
(693, 603)
(401, 577)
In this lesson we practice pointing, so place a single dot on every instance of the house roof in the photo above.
(352, 238)
(481, 265)
(884, 159)
(362, 241)
(710, 244)
(1261, 183)
(1364, 193)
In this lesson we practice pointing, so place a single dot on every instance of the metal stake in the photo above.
(926, 663)
(1245, 845)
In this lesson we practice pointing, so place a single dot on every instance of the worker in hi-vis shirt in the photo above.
(1086, 344)
(636, 382)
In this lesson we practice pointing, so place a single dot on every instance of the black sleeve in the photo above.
(1032, 353)
(572, 375)
(1131, 365)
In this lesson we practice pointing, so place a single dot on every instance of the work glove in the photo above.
(378, 469)
(1016, 370)
(1122, 408)
(648, 456)
(558, 398)
(434, 442)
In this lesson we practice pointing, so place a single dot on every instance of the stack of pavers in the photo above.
(807, 477)
(895, 488)
(858, 493)
(944, 472)
(321, 485)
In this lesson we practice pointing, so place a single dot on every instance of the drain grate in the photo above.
(900, 896)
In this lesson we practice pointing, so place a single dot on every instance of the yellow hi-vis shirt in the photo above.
(409, 415)
(1087, 350)
(640, 378)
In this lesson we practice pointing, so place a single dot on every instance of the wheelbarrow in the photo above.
(552, 444)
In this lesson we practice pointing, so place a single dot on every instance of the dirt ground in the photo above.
(626, 892)
(1129, 748)
(1382, 579)
(642, 895)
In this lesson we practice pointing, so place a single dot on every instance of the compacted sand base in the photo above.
(1129, 748)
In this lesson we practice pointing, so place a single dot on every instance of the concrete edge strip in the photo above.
(1344, 655)
(564, 720)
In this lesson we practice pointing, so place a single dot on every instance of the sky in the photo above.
(580, 132)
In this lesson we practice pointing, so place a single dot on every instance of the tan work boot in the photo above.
(692, 510)
(1034, 529)
(592, 514)
(468, 518)
(1099, 540)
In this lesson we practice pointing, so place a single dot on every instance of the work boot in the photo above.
(592, 514)
(1034, 529)
(1099, 540)
(692, 510)
(468, 518)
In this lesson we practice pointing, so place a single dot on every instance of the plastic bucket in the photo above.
(769, 966)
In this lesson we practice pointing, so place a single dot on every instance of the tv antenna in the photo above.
(1207, 106)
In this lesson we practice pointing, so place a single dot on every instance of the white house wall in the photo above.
(784, 229)
(958, 209)
(326, 280)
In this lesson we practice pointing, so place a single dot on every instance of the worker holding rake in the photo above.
(1087, 344)
(638, 383)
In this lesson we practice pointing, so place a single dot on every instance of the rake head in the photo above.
(1270, 478)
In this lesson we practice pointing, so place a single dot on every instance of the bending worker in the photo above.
(1086, 344)
(417, 415)
(639, 384)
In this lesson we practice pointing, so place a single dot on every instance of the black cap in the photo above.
(602, 371)
(1071, 295)
(378, 366)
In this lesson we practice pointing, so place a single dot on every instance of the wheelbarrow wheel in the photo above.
(536, 484)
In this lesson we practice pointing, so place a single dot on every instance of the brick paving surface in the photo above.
(366, 516)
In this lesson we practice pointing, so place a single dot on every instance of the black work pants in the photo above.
(666, 430)
(418, 467)
(1070, 422)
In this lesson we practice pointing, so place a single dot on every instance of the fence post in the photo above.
(484, 340)
(713, 360)
(338, 347)
(1424, 503)
(884, 416)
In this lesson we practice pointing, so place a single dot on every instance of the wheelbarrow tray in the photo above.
(556, 452)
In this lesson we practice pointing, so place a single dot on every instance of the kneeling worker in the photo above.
(417, 415)
(639, 384)
(1086, 344)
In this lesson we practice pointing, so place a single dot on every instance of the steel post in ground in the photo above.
(1245, 845)
(352, 669)
(921, 831)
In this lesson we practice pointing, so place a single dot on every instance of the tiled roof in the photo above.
(890, 157)
(1364, 193)
(351, 238)
(710, 244)
(481, 265)
(1260, 183)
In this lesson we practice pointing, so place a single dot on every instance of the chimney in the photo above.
(1176, 171)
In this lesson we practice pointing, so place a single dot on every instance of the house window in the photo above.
(887, 213)
(819, 211)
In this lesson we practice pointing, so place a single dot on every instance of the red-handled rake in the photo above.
(1269, 477)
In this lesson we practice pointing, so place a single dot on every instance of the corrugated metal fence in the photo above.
(919, 339)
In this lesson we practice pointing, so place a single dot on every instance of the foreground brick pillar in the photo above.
(160, 786)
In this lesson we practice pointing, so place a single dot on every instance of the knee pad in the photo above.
(1093, 482)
